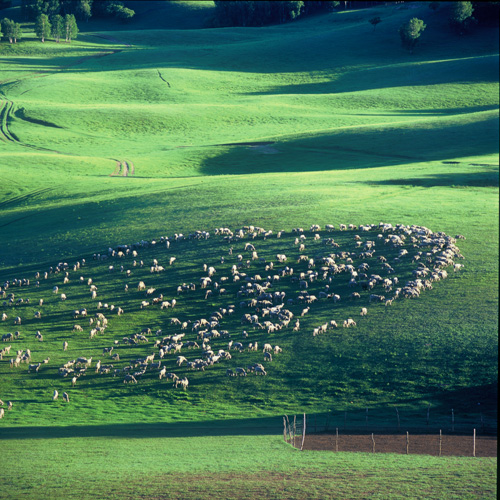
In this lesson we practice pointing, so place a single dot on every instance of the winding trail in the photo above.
(124, 168)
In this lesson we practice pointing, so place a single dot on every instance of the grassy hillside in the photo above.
(346, 128)
(164, 126)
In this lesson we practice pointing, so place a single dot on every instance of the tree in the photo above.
(70, 27)
(18, 32)
(42, 27)
(410, 33)
(374, 21)
(124, 14)
(58, 27)
(461, 19)
(8, 29)
(83, 9)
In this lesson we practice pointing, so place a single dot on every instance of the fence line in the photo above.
(422, 441)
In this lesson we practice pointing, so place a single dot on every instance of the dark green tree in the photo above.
(43, 27)
(58, 27)
(410, 33)
(51, 8)
(83, 9)
(461, 19)
(374, 21)
(124, 14)
(70, 27)
(18, 32)
(7, 26)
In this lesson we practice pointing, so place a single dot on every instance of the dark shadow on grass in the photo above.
(361, 147)
(230, 427)
(479, 179)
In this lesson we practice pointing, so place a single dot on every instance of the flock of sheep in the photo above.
(258, 297)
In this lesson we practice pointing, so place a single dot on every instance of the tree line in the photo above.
(57, 28)
(82, 9)
(260, 12)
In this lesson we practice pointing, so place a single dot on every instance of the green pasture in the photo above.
(320, 121)
(231, 466)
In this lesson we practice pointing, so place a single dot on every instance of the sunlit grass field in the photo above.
(320, 121)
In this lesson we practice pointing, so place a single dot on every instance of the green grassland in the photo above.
(320, 121)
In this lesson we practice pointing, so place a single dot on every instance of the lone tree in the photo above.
(374, 21)
(70, 27)
(410, 33)
(43, 27)
(461, 19)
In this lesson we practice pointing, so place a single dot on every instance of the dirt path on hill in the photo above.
(123, 168)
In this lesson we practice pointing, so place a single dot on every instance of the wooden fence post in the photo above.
(373, 444)
(303, 433)
(474, 444)
(294, 428)
(289, 428)
(407, 441)
(440, 441)
(284, 429)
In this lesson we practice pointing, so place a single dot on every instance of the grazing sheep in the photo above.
(17, 320)
(65, 345)
(348, 323)
(180, 360)
(35, 367)
(129, 378)
(268, 356)
(65, 397)
(2, 413)
(55, 395)
(73, 381)
(364, 311)
(183, 382)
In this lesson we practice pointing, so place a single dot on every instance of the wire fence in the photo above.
(373, 432)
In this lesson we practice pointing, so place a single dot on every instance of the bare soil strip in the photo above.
(419, 444)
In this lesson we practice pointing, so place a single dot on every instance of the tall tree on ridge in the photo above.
(42, 27)
(71, 28)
